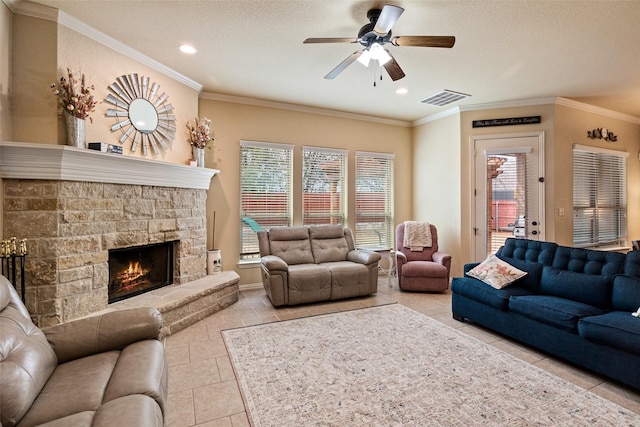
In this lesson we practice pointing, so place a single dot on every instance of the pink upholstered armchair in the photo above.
(426, 270)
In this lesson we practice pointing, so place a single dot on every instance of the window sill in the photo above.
(254, 263)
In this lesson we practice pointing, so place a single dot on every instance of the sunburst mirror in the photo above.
(143, 116)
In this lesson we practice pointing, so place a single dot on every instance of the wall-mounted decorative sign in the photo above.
(511, 121)
(602, 133)
(142, 115)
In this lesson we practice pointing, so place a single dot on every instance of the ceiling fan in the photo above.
(374, 35)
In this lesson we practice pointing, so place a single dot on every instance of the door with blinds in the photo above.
(509, 190)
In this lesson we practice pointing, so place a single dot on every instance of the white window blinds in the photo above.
(599, 197)
(266, 187)
(324, 188)
(374, 200)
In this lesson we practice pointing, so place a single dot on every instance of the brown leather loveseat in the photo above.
(315, 263)
(107, 370)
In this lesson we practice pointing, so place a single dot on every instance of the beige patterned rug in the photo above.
(392, 366)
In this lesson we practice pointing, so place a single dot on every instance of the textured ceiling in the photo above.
(505, 50)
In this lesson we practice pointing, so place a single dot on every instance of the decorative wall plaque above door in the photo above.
(143, 116)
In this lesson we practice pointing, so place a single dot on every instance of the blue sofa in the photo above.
(574, 304)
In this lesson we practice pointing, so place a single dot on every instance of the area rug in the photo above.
(392, 366)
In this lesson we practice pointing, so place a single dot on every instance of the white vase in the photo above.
(198, 156)
(214, 261)
(75, 130)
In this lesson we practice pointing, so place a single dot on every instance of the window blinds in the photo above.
(324, 191)
(599, 197)
(374, 199)
(266, 187)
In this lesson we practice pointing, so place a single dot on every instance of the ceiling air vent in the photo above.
(445, 97)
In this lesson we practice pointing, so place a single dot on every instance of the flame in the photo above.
(134, 269)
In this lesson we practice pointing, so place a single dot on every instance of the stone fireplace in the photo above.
(76, 206)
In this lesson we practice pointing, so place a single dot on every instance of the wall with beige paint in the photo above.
(571, 126)
(436, 183)
(34, 50)
(5, 71)
(42, 50)
(233, 122)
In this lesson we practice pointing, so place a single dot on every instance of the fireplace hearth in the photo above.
(133, 271)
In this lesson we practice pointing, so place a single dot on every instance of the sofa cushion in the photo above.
(618, 329)
(26, 358)
(496, 273)
(424, 269)
(582, 275)
(478, 291)
(558, 312)
(308, 283)
(75, 386)
(625, 295)
(632, 264)
(291, 244)
(348, 279)
(328, 243)
(588, 261)
(529, 256)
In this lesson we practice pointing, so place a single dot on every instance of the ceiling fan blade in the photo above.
(344, 64)
(387, 18)
(424, 41)
(330, 40)
(394, 70)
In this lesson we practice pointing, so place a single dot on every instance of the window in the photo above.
(266, 185)
(599, 197)
(324, 177)
(374, 200)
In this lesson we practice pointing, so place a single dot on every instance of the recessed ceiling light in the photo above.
(187, 48)
(402, 91)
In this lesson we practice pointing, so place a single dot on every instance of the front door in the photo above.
(509, 190)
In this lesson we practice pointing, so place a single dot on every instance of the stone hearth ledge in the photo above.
(182, 305)
(24, 160)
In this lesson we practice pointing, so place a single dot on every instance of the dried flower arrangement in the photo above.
(199, 133)
(74, 96)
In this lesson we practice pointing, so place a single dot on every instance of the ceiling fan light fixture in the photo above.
(365, 58)
(379, 54)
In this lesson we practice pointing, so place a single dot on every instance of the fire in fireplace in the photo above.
(136, 270)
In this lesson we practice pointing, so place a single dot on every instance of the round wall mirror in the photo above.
(142, 116)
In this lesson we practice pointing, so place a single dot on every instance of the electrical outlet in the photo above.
(560, 211)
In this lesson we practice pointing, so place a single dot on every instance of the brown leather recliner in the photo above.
(106, 370)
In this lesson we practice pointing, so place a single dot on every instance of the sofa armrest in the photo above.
(110, 331)
(442, 258)
(272, 263)
(363, 256)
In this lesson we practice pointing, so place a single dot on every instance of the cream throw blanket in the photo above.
(417, 235)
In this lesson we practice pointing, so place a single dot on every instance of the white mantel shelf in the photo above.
(23, 160)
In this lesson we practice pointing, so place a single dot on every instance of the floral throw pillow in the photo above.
(495, 272)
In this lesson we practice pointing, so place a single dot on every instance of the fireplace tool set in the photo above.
(13, 251)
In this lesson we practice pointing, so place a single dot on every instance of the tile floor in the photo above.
(203, 390)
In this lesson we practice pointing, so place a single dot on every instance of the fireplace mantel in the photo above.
(20, 160)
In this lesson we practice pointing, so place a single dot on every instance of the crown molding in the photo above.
(596, 110)
(528, 103)
(33, 10)
(301, 108)
(102, 38)
(49, 13)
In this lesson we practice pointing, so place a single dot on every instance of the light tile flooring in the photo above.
(203, 390)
